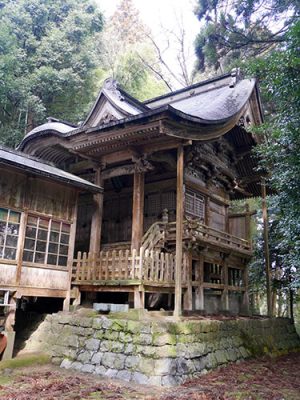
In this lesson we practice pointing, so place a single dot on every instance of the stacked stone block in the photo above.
(157, 353)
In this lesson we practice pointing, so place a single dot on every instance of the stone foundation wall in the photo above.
(157, 352)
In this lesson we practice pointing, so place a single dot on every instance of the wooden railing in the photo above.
(124, 265)
(195, 231)
(155, 236)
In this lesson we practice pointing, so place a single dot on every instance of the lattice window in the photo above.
(168, 200)
(9, 233)
(235, 277)
(213, 273)
(46, 241)
(153, 205)
(194, 204)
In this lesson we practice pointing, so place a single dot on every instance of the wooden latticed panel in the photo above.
(194, 204)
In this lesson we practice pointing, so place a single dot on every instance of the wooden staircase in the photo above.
(155, 237)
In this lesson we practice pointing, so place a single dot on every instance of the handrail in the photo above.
(216, 234)
(154, 234)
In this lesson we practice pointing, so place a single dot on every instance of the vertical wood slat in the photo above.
(162, 267)
(167, 267)
(78, 266)
(127, 264)
(147, 265)
(141, 262)
(99, 275)
(152, 263)
(88, 266)
(133, 264)
(121, 264)
(113, 265)
(84, 264)
(156, 261)
(106, 271)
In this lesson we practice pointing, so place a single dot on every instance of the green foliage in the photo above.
(279, 75)
(280, 151)
(46, 60)
(123, 47)
(241, 29)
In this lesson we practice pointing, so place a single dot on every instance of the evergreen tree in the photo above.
(123, 48)
(240, 29)
(46, 62)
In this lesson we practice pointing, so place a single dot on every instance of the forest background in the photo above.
(55, 55)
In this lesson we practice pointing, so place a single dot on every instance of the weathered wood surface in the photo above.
(125, 268)
(179, 232)
(138, 210)
(155, 236)
(124, 265)
(196, 231)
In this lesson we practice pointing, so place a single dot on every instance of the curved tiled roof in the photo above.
(213, 106)
(37, 167)
(59, 127)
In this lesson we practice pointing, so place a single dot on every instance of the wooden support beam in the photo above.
(224, 297)
(137, 210)
(266, 245)
(188, 294)
(179, 231)
(77, 299)
(245, 303)
(127, 169)
(139, 298)
(10, 328)
(199, 291)
(20, 250)
(66, 304)
(95, 238)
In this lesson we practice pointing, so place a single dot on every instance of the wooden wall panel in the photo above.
(12, 189)
(217, 216)
(48, 198)
(7, 274)
(44, 278)
(237, 226)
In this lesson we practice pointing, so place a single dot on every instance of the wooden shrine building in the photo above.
(38, 213)
(169, 168)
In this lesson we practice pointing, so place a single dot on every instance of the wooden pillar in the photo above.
(95, 238)
(224, 297)
(207, 212)
(199, 292)
(9, 328)
(139, 298)
(245, 304)
(23, 223)
(266, 245)
(137, 210)
(66, 304)
(179, 231)
(188, 294)
(248, 222)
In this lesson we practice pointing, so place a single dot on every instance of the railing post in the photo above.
(146, 268)
(141, 263)
(133, 261)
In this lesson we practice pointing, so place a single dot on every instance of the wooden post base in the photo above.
(139, 298)
(8, 352)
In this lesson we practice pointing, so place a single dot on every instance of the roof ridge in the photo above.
(187, 88)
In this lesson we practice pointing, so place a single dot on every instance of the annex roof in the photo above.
(35, 166)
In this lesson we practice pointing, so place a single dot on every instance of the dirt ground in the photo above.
(265, 378)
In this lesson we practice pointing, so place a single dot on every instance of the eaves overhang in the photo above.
(24, 163)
